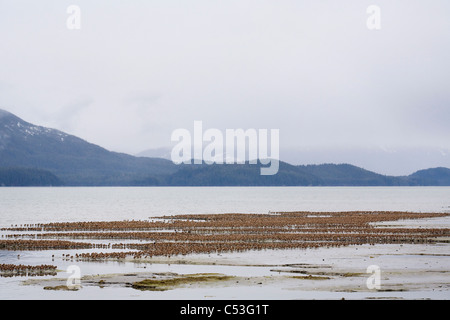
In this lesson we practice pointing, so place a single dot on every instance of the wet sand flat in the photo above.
(379, 255)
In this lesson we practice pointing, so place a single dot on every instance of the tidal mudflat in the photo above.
(282, 255)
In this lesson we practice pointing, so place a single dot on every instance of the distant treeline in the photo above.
(291, 175)
(19, 177)
(230, 175)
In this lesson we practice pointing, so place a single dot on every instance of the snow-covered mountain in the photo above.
(12, 128)
(72, 159)
(31, 153)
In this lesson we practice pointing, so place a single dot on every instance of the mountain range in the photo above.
(32, 155)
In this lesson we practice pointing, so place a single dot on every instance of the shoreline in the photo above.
(343, 274)
(411, 270)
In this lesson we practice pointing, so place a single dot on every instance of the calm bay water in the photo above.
(41, 205)
(34, 205)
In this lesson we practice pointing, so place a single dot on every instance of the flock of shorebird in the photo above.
(9, 270)
(217, 233)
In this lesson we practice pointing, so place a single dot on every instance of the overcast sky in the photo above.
(136, 70)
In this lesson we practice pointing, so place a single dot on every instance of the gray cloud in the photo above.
(311, 69)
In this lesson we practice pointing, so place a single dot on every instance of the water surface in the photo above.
(34, 205)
